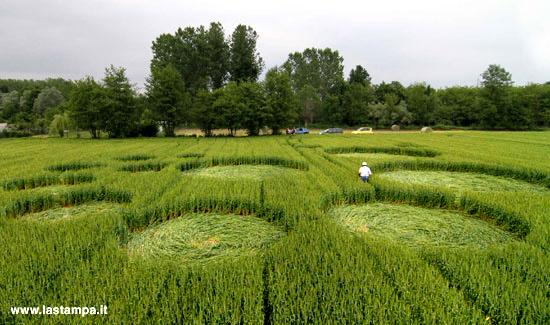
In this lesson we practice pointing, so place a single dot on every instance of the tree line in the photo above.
(201, 77)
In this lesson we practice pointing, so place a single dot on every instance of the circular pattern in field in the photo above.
(414, 226)
(86, 210)
(458, 181)
(205, 237)
(256, 172)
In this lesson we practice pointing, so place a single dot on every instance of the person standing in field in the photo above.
(364, 172)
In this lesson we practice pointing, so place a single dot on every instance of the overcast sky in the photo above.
(441, 42)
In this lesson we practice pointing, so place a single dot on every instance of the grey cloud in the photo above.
(440, 42)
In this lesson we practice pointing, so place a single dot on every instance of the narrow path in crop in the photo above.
(468, 292)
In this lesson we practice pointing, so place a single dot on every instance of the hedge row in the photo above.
(405, 151)
(44, 201)
(75, 165)
(140, 218)
(141, 167)
(509, 220)
(47, 180)
(191, 155)
(244, 160)
(135, 157)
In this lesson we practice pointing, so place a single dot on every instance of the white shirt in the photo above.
(364, 171)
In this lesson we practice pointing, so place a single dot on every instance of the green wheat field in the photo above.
(453, 228)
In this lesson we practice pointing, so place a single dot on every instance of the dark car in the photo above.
(302, 131)
(332, 130)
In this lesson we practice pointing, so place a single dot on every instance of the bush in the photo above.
(149, 130)
(15, 134)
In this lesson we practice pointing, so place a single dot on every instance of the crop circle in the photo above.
(256, 172)
(415, 226)
(204, 237)
(460, 181)
(92, 210)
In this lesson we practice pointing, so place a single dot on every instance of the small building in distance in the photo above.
(3, 126)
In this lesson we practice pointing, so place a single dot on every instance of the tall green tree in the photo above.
(25, 117)
(333, 105)
(165, 52)
(457, 106)
(59, 124)
(332, 109)
(203, 113)
(49, 98)
(47, 104)
(309, 104)
(242, 105)
(359, 75)
(87, 107)
(187, 51)
(9, 105)
(122, 117)
(357, 98)
(537, 99)
(167, 98)
(218, 52)
(280, 100)
(229, 106)
(391, 111)
(394, 88)
(421, 103)
(520, 114)
(255, 113)
(358, 95)
(495, 100)
(246, 64)
(315, 74)
(201, 56)
(321, 69)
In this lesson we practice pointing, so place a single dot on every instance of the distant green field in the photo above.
(453, 228)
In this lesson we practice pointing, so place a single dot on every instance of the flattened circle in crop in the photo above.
(459, 181)
(205, 237)
(257, 172)
(414, 226)
(85, 210)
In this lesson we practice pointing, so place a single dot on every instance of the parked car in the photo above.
(302, 131)
(363, 130)
(332, 130)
